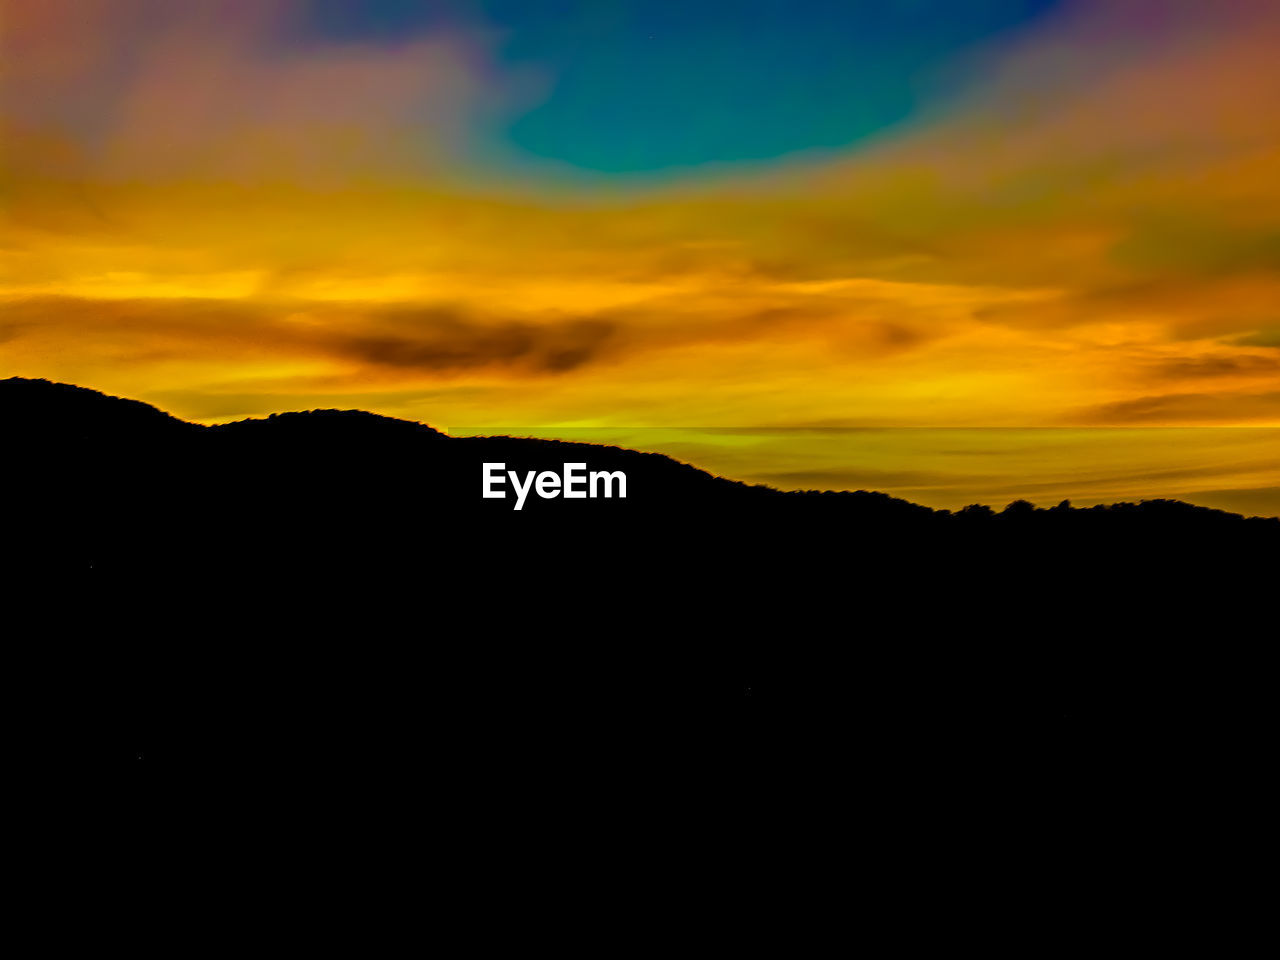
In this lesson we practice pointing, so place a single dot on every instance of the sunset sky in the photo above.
(956, 250)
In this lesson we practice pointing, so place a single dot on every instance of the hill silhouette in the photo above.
(329, 586)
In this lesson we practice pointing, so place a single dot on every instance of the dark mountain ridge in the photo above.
(44, 413)
(321, 584)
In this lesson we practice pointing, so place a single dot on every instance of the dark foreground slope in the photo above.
(330, 587)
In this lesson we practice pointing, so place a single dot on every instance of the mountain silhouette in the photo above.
(331, 587)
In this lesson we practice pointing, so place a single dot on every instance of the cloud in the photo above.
(435, 339)
(128, 90)
(444, 339)
(1213, 367)
(403, 339)
(1268, 336)
(215, 209)
(1210, 408)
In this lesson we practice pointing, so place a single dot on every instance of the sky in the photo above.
(954, 250)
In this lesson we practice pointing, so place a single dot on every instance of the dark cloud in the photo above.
(440, 338)
(446, 337)
(1198, 244)
(1266, 337)
(1192, 368)
(1188, 407)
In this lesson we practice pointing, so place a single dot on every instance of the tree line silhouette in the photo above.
(330, 585)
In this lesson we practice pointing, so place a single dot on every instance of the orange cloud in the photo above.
(198, 216)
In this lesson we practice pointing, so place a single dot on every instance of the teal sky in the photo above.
(647, 85)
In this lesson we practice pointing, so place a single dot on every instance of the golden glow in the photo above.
(1099, 253)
